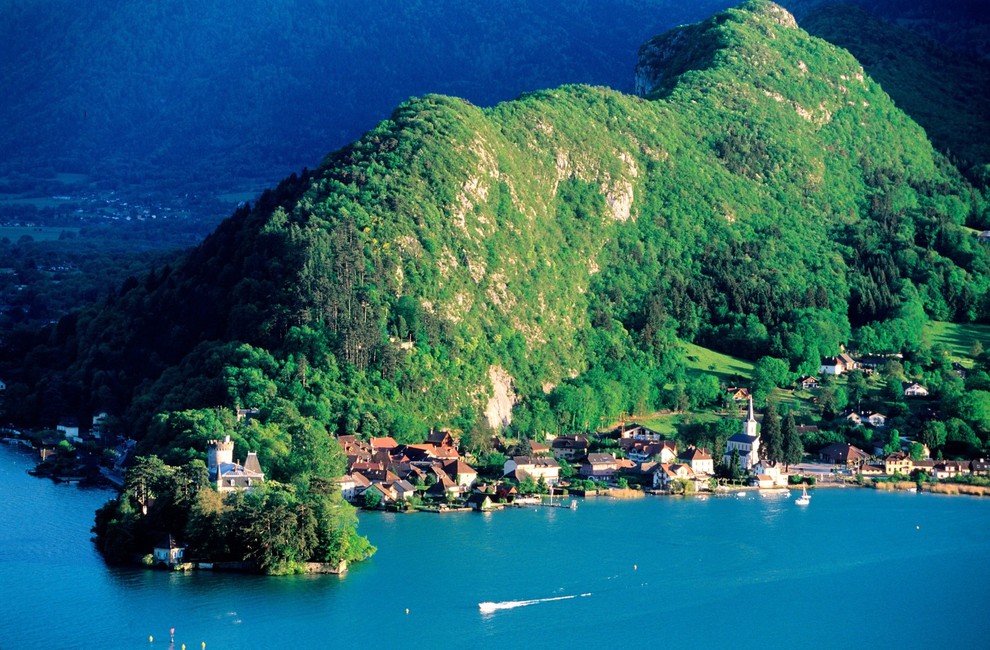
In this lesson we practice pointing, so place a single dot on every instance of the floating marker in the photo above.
(635, 567)
(151, 639)
(407, 610)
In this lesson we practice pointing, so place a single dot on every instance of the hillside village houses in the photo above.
(837, 365)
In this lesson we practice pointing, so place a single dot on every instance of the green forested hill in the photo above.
(765, 198)
(945, 92)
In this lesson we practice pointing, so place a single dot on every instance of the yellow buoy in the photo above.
(407, 610)
(151, 639)
(635, 567)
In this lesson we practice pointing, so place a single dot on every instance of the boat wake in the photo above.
(490, 607)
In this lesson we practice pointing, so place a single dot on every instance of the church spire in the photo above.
(749, 426)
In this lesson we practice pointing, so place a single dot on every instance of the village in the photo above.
(628, 460)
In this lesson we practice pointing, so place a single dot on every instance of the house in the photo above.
(915, 390)
(898, 463)
(569, 447)
(768, 475)
(666, 474)
(168, 552)
(878, 420)
(855, 419)
(872, 470)
(536, 467)
(699, 460)
(444, 488)
(480, 502)
(441, 438)
(983, 237)
(403, 490)
(639, 450)
(386, 444)
(837, 365)
(842, 453)
(539, 449)
(950, 469)
(386, 492)
(461, 473)
(746, 443)
(99, 424)
(69, 428)
(808, 382)
(246, 415)
(348, 487)
(980, 467)
(738, 394)
(227, 475)
(598, 466)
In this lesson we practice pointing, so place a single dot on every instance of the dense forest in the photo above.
(189, 95)
(766, 198)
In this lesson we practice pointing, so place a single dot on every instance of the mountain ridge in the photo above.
(562, 242)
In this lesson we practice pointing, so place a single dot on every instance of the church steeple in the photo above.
(749, 426)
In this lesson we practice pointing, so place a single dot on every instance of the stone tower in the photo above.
(217, 453)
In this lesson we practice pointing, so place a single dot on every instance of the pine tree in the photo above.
(771, 439)
(793, 447)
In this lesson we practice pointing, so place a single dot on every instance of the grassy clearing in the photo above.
(668, 423)
(958, 338)
(728, 369)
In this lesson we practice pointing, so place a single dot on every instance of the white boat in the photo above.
(804, 499)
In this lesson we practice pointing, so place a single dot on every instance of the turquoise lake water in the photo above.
(854, 569)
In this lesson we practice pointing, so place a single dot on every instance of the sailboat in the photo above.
(804, 499)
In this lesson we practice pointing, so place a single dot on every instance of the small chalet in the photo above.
(598, 466)
(480, 502)
(664, 451)
(878, 420)
(842, 453)
(737, 393)
(980, 467)
(837, 365)
(168, 552)
(348, 487)
(699, 460)
(441, 438)
(539, 449)
(569, 447)
(808, 382)
(915, 390)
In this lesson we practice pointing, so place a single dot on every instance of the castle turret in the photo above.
(218, 453)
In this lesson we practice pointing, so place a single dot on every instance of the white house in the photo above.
(837, 365)
(768, 475)
(699, 460)
(877, 420)
(536, 466)
(747, 443)
(168, 552)
(69, 427)
(915, 390)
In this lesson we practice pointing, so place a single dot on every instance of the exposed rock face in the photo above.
(499, 409)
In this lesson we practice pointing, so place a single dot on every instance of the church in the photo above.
(747, 443)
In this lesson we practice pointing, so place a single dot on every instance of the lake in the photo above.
(856, 568)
